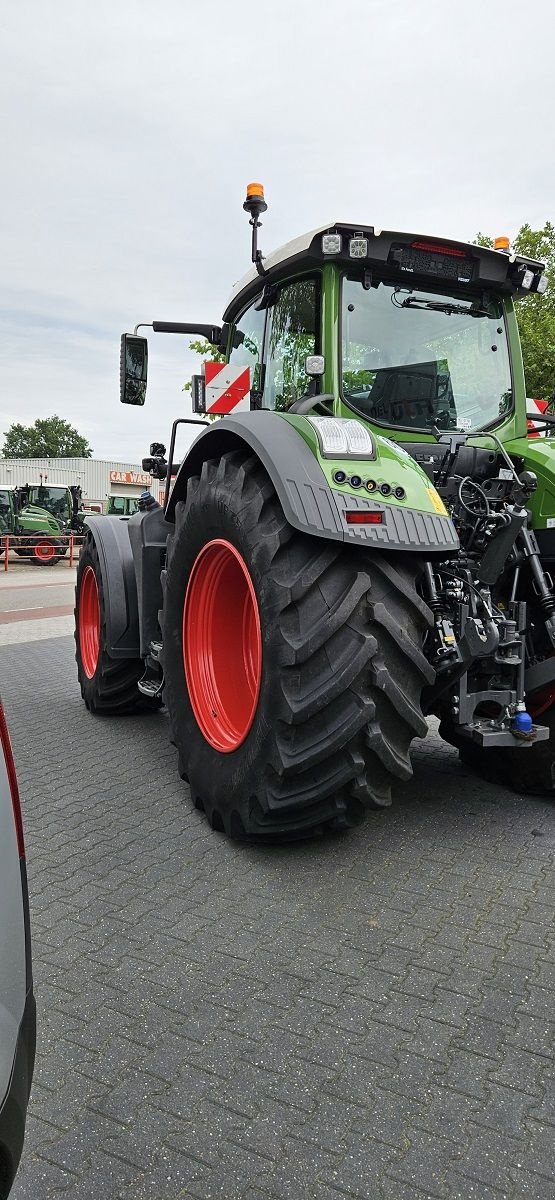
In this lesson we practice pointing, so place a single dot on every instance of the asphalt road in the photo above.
(370, 1015)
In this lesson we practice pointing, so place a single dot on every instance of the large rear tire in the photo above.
(108, 685)
(293, 665)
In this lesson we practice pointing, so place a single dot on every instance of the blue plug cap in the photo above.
(522, 722)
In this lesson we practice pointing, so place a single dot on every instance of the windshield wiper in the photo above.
(439, 306)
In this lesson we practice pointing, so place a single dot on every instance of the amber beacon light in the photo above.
(255, 204)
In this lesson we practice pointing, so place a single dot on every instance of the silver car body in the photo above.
(17, 1006)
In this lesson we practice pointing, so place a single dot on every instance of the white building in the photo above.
(97, 479)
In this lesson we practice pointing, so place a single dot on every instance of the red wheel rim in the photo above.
(89, 622)
(222, 645)
(45, 551)
(540, 701)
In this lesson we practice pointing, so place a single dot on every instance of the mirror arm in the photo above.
(212, 333)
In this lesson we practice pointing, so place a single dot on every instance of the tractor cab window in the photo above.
(53, 499)
(248, 337)
(116, 506)
(5, 510)
(415, 359)
(293, 332)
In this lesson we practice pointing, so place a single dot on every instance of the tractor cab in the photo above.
(414, 335)
(56, 500)
(64, 504)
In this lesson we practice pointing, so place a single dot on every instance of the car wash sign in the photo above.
(138, 478)
(224, 388)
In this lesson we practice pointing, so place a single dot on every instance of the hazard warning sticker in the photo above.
(227, 388)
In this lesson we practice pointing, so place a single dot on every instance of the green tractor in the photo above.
(65, 504)
(364, 539)
(33, 532)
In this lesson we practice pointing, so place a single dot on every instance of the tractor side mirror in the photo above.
(133, 368)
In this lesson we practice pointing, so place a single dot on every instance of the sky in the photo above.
(129, 131)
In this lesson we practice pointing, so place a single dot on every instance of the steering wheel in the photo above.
(306, 403)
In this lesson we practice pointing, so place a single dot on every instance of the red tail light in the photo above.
(12, 778)
(364, 518)
(435, 248)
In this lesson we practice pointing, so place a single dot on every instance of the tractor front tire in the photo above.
(108, 685)
(293, 665)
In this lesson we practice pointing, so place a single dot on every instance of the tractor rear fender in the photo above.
(111, 538)
(148, 532)
(307, 500)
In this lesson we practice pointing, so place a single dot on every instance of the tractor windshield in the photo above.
(416, 359)
(53, 499)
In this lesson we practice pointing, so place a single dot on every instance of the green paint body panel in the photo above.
(539, 456)
(391, 465)
(37, 520)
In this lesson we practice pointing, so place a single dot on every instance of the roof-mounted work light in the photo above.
(331, 243)
(358, 246)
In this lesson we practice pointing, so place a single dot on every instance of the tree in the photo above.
(536, 314)
(208, 352)
(50, 437)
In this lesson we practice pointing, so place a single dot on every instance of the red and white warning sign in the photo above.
(534, 408)
(228, 388)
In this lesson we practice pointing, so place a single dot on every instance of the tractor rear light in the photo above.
(358, 247)
(527, 278)
(12, 780)
(331, 243)
(343, 437)
(541, 285)
(435, 248)
(355, 517)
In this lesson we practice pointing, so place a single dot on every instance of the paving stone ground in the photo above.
(364, 1016)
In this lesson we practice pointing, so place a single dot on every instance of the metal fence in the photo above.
(40, 549)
